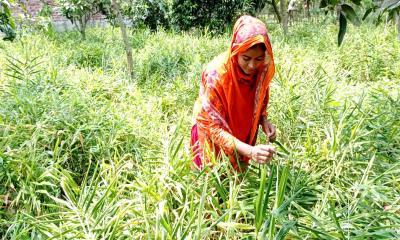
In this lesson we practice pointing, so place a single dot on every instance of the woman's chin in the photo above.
(249, 72)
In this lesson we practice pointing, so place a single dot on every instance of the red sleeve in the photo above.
(212, 117)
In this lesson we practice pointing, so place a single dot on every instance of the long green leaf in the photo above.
(350, 14)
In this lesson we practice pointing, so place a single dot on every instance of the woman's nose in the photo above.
(252, 65)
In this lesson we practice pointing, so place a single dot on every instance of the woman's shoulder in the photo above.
(217, 64)
(215, 68)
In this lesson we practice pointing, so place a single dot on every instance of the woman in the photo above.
(233, 97)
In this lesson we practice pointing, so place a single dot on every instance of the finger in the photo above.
(265, 129)
(273, 132)
(264, 160)
(272, 150)
(260, 160)
(268, 148)
(271, 127)
(268, 127)
(264, 147)
(267, 159)
(272, 137)
(263, 155)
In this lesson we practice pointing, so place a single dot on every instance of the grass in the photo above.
(86, 153)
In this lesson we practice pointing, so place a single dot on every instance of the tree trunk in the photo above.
(283, 8)
(276, 10)
(81, 23)
(338, 10)
(83, 33)
(308, 9)
(398, 25)
(81, 29)
(128, 48)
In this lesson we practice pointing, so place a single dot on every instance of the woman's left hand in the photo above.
(269, 129)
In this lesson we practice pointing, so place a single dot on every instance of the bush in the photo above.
(7, 26)
(89, 55)
(152, 14)
(182, 14)
(139, 13)
(187, 14)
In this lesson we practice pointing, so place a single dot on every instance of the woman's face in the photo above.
(251, 59)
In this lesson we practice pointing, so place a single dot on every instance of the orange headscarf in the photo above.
(248, 31)
(231, 103)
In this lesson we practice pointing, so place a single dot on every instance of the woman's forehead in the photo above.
(254, 52)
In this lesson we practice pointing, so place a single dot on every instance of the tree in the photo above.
(345, 12)
(398, 25)
(7, 26)
(276, 10)
(284, 16)
(150, 13)
(79, 12)
(215, 15)
(117, 12)
(389, 7)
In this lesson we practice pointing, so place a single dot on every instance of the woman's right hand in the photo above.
(262, 153)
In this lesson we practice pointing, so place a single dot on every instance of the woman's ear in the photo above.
(267, 59)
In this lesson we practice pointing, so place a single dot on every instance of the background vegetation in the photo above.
(86, 152)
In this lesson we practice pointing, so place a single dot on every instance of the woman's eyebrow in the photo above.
(261, 56)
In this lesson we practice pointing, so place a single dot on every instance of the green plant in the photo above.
(86, 152)
(7, 25)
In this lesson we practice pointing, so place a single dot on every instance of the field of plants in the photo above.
(88, 153)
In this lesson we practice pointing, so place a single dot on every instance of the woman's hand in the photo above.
(269, 129)
(262, 153)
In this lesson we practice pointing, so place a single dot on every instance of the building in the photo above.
(59, 22)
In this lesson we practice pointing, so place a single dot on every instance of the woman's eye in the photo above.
(246, 59)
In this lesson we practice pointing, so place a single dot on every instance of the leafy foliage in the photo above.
(140, 13)
(153, 14)
(211, 14)
(87, 153)
(391, 7)
(80, 11)
(345, 13)
(7, 26)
